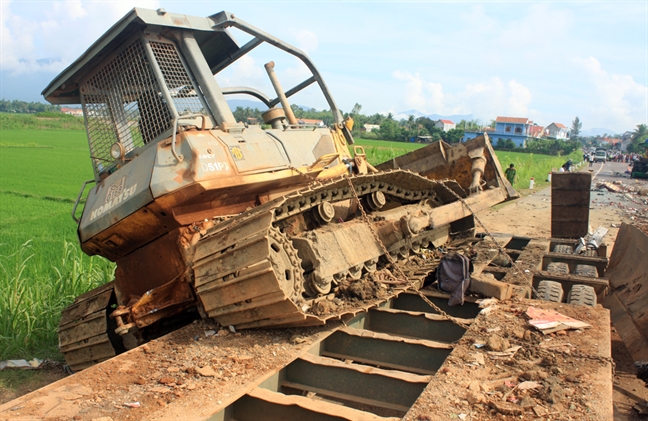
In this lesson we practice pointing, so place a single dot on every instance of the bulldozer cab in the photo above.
(153, 72)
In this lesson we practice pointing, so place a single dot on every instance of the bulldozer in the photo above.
(248, 224)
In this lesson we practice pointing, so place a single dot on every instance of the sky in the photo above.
(549, 61)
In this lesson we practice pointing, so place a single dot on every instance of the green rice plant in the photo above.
(46, 121)
(388, 144)
(536, 166)
(31, 301)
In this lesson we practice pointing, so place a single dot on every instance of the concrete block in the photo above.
(486, 284)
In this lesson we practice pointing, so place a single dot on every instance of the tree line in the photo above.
(24, 107)
(390, 129)
(540, 146)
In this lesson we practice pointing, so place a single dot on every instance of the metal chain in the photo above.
(393, 263)
(500, 248)
(308, 176)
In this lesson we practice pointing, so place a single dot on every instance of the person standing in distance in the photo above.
(511, 174)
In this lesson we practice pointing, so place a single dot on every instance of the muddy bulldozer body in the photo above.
(251, 225)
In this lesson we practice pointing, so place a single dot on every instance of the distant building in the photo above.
(612, 141)
(557, 131)
(310, 122)
(536, 131)
(369, 127)
(518, 129)
(444, 125)
(72, 111)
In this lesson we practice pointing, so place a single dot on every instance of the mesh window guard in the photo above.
(176, 79)
(123, 102)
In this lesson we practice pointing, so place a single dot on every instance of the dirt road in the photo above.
(531, 216)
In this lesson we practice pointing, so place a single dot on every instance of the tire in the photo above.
(590, 253)
(582, 295)
(586, 270)
(563, 249)
(550, 291)
(558, 267)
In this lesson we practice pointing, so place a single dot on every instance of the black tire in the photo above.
(582, 295)
(563, 249)
(550, 291)
(558, 267)
(586, 270)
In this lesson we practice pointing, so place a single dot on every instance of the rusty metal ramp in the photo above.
(399, 360)
(628, 274)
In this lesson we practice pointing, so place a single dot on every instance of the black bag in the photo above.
(453, 275)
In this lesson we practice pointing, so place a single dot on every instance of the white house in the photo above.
(369, 127)
(557, 131)
(310, 122)
(444, 125)
(72, 111)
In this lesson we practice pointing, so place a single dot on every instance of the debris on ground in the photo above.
(550, 321)
(557, 377)
(33, 364)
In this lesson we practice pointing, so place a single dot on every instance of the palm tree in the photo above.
(640, 131)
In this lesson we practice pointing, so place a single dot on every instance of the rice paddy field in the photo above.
(379, 151)
(42, 166)
(43, 162)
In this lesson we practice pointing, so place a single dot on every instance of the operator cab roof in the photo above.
(216, 45)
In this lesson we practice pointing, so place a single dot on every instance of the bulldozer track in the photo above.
(246, 272)
(268, 291)
(84, 329)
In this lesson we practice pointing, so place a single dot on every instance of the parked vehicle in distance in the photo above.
(600, 156)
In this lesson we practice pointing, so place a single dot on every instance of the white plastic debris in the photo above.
(231, 328)
(209, 333)
(132, 404)
(21, 364)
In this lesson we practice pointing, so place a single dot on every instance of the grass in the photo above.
(31, 301)
(379, 151)
(42, 269)
(534, 166)
(43, 121)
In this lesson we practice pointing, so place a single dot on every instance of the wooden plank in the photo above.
(570, 213)
(566, 229)
(314, 405)
(571, 181)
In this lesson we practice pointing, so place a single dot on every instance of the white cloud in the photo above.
(483, 99)
(617, 100)
(541, 27)
(306, 41)
(244, 72)
(55, 36)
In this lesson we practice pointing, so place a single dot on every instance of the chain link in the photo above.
(393, 263)
(307, 176)
(500, 248)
